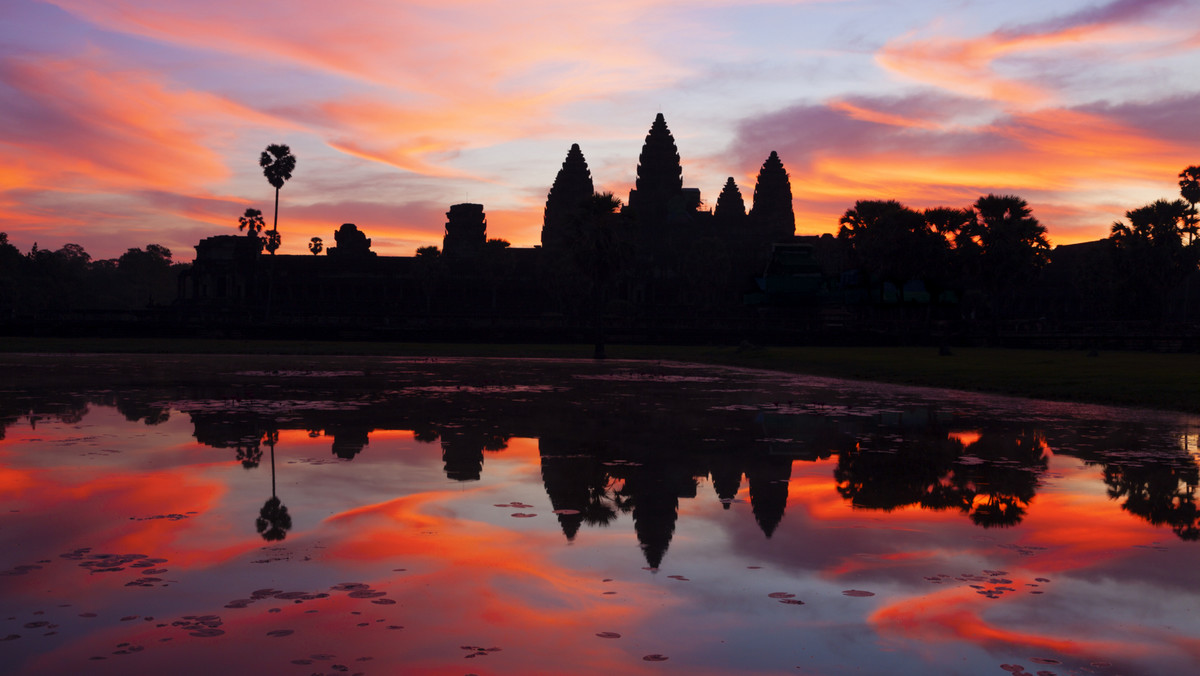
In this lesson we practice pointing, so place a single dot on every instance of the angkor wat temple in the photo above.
(664, 267)
(661, 261)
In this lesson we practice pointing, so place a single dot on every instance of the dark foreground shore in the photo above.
(1139, 379)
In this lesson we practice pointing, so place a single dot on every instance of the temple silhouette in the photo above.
(653, 264)
(661, 265)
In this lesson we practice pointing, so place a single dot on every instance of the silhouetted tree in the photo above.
(147, 275)
(949, 223)
(893, 242)
(252, 222)
(1189, 188)
(1008, 246)
(271, 241)
(1150, 252)
(11, 263)
(277, 163)
(315, 245)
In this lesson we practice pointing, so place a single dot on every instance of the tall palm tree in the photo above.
(277, 163)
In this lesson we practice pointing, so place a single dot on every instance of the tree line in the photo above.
(45, 284)
(990, 257)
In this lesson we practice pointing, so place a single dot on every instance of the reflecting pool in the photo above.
(331, 515)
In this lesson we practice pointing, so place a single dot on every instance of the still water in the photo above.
(203, 515)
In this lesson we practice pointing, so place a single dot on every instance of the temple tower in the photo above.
(659, 175)
(572, 187)
(350, 243)
(466, 231)
(731, 208)
(772, 217)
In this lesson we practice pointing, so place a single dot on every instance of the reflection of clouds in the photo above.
(482, 573)
(957, 615)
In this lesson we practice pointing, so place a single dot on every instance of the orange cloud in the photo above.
(860, 112)
(95, 129)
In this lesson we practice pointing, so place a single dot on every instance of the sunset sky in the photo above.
(128, 122)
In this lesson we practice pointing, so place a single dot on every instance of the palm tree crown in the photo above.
(278, 163)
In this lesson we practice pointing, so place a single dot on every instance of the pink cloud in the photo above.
(90, 146)
(967, 65)
(913, 149)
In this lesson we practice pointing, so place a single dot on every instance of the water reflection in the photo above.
(598, 462)
(466, 465)
(273, 520)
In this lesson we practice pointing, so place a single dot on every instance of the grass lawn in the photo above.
(1150, 380)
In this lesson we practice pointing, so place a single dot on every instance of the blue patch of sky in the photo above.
(38, 27)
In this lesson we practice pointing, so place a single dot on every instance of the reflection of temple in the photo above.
(606, 460)
(666, 256)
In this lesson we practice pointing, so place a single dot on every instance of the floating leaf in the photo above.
(347, 586)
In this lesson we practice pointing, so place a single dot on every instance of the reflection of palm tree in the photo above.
(604, 501)
(1000, 489)
(273, 520)
(249, 452)
(998, 511)
(1159, 493)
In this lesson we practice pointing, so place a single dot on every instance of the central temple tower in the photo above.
(659, 175)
